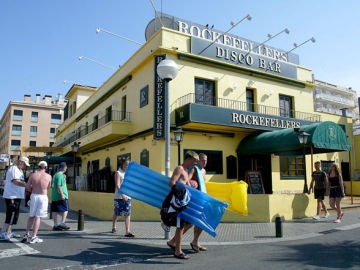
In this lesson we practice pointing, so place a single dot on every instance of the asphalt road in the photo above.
(337, 249)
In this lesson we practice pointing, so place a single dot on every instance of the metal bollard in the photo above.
(80, 220)
(278, 227)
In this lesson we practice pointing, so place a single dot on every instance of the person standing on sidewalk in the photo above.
(122, 202)
(60, 198)
(320, 179)
(14, 192)
(195, 246)
(39, 184)
(337, 191)
(181, 174)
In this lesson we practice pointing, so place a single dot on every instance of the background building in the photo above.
(30, 124)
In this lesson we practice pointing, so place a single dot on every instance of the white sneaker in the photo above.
(5, 236)
(14, 235)
(35, 239)
(327, 215)
(316, 217)
(26, 238)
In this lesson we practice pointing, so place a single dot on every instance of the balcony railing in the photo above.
(244, 106)
(114, 116)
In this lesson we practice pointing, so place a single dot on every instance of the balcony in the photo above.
(244, 106)
(334, 99)
(115, 125)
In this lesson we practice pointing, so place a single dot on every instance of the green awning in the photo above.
(324, 137)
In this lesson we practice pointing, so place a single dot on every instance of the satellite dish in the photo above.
(154, 25)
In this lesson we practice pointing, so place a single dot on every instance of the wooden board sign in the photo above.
(254, 180)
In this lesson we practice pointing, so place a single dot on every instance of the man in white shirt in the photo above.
(14, 192)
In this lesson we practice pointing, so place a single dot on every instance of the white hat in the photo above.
(26, 160)
(42, 164)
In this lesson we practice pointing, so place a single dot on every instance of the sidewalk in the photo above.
(151, 233)
(228, 233)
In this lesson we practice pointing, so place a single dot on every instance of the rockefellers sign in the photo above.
(265, 121)
(229, 48)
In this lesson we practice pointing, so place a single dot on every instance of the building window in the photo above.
(214, 160)
(16, 130)
(144, 157)
(144, 93)
(18, 115)
(250, 100)
(292, 167)
(51, 144)
(34, 117)
(52, 132)
(33, 131)
(286, 107)
(15, 145)
(123, 108)
(56, 118)
(96, 122)
(32, 143)
(204, 91)
(108, 115)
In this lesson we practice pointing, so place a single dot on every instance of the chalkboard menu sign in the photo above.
(254, 180)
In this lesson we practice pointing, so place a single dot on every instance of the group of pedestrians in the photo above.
(321, 183)
(38, 185)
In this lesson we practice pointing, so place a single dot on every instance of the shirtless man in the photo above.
(180, 174)
(39, 184)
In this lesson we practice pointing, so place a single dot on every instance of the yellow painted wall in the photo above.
(262, 207)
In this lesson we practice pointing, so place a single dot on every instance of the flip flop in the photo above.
(196, 248)
(170, 246)
(182, 256)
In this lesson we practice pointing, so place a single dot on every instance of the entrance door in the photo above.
(260, 163)
(345, 171)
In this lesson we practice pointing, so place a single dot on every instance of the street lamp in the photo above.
(303, 138)
(75, 148)
(48, 155)
(167, 70)
(179, 135)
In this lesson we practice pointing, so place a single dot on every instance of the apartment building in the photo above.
(28, 125)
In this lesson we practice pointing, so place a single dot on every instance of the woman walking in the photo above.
(336, 185)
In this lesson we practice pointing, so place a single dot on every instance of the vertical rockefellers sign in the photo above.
(159, 102)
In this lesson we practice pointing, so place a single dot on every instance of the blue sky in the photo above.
(41, 40)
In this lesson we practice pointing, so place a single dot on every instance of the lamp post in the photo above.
(179, 135)
(75, 148)
(303, 138)
(167, 70)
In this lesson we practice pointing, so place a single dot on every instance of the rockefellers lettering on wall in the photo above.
(159, 102)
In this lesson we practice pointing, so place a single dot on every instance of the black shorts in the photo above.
(172, 219)
(319, 193)
(12, 211)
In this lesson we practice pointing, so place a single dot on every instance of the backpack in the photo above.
(175, 202)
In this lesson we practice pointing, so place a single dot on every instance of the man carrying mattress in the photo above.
(173, 203)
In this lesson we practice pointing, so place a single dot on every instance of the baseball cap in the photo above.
(62, 165)
(26, 160)
(42, 164)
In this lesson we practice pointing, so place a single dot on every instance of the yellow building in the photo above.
(241, 102)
